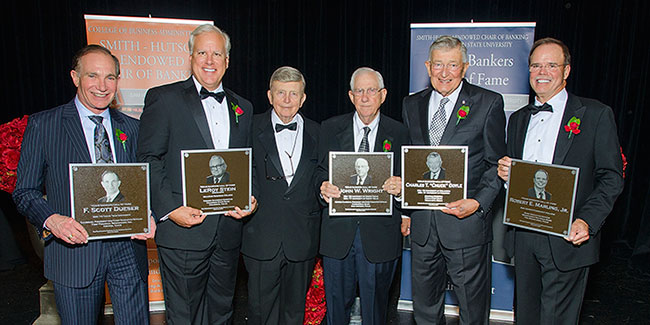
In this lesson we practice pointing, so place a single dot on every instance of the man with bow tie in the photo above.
(551, 271)
(198, 253)
(280, 239)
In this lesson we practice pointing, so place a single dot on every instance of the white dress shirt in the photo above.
(88, 127)
(289, 145)
(542, 131)
(358, 131)
(218, 117)
(434, 103)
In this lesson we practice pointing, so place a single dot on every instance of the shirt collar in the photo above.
(557, 102)
(85, 112)
(199, 86)
(358, 125)
(275, 119)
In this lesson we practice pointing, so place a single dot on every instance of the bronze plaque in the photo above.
(541, 197)
(216, 181)
(110, 200)
(433, 176)
(360, 177)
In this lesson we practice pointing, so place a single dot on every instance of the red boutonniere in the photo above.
(462, 113)
(387, 145)
(122, 137)
(573, 127)
(238, 111)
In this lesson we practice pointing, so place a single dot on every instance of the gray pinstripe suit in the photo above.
(53, 139)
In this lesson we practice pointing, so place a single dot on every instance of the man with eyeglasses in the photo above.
(198, 253)
(218, 169)
(551, 271)
(360, 250)
(455, 241)
(280, 240)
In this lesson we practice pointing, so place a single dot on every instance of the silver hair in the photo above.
(208, 28)
(380, 79)
(287, 74)
(448, 43)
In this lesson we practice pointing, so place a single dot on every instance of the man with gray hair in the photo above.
(280, 240)
(455, 240)
(198, 255)
(363, 250)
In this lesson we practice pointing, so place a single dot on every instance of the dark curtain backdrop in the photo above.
(327, 40)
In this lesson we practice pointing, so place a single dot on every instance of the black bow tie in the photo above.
(534, 109)
(291, 126)
(218, 96)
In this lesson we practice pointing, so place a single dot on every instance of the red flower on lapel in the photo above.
(122, 137)
(573, 126)
(387, 145)
(238, 111)
(462, 113)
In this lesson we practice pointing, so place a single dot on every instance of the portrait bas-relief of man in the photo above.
(538, 191)
(111, 183)
(434, 163)
(361, 177)
(218, 169)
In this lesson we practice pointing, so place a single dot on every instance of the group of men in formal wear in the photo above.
(286, 227)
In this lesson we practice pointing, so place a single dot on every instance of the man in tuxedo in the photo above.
(455, 240)
(360, 250)
(198, 253)
(434, 162)
(218, 169)
(361, 177)
(538, 190)
(280, 241)
(82, 131)
(551, 271)
(111, 184)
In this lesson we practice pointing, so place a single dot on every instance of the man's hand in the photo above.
(579, 232)
(67, 229)
(327, 190)
(239, 213)
(152, 230)
(393, 185)
(461, 208)
(503, 170)
(187, 216)
(406, 226)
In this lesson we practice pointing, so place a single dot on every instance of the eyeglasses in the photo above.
(370, 91)
(217, 166)
(449, 66)
(537, 67)
(275, 178)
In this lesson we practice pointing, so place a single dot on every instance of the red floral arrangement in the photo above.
(315, 305)
(11, 138)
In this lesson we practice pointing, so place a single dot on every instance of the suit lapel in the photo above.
(521, 128)
(234, 119)
(346, 134)
(267, 138)
(573, 108)
(383, 133)
(464, 98)
(117, 122)
(423, 114)
(193, 102)
(308, 145)
(72, 127)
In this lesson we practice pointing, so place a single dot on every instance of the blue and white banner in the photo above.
(498, 60)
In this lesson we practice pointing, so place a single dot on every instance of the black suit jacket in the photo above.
(53, 139)
(596, 152)
(483, 132)
(288, 216)
(118, 198)
(173, 120)
(355, 178)
(380, 235)
(531, 193)
(213, 179)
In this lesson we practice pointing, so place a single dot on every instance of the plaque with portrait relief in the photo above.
(217, 181)
(360, 176)
(110, 200)
(541, 197)
(433, 176)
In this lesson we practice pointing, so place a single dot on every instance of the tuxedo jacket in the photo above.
(441, 174)
(213, 179)
(380, 235)
(53, 139)
(483, 131)
(596, 151)
(354, 179)
(287, 216)
(173, 120)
